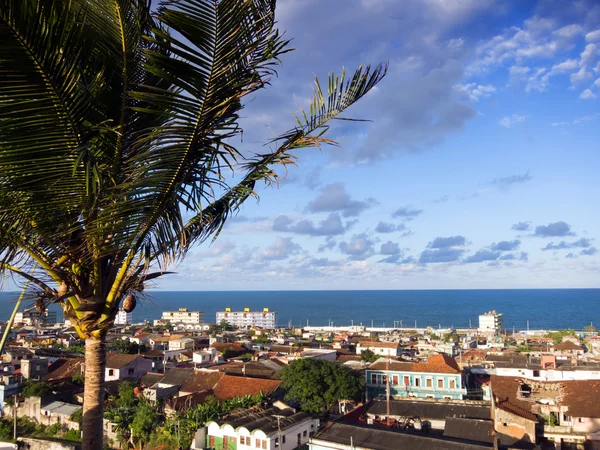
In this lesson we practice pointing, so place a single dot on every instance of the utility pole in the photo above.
(279, 417)
(15, 405)
(387, 387)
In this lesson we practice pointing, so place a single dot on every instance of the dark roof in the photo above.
(176, 377)
(508, 358)
(150, 379)
(430, 409)
(581, 397)
(469, 429)
(380, 439)
(187, 401)
(250, 369)
(201, 381)
(118, 360)
(63, 368)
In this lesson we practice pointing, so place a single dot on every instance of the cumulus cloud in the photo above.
(593, 36)
(281, 249)
(509, 121)
(330, 244)
(385, 227)
(334, 198)
(554, 229)
(521, 226)
(218, 248)
(587, 95)
(507, 182)
(389, 248)
(505, 246)
(358, 248)
(331, 226)
(445, 242)
(407, 213)
(441, 255)
(523, 256)
(474, 91)
(581, 243)
(588, 251)
(482, 255)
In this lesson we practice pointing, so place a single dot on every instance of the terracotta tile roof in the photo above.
(118, 360)
(581, 397)
(63, 368)
(506, 391)
(233, 346)
(187, 401)
(441, 363)
(231, 386)
(568, 346)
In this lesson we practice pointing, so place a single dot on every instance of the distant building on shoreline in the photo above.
(183, 316)
(34, 317)
(491, 322)
(248, 319)
(123, 318)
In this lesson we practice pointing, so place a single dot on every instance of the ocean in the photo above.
(543, 308)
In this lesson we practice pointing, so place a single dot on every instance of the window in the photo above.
(283, 439)
(304, 434)
(395, 379)
(258, 443)
(276, 442)
(452, 384)
(131, 370)
(406, 381)
(211, 441)
(111, 372)
(441, 383)
(429, 382)
(299, 440)
(417, 382)
(373, 378)
(264, 444)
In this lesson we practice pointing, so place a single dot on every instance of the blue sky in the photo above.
(479, 168)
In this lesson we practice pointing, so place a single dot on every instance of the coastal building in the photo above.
(183, 316)
(126, 367)
(32, 317)
(491, 322)
(123, 318)
(247, 319)
(439, 377)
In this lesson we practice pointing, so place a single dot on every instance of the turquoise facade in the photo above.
(415, 384)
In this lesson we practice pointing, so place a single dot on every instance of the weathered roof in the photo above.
(201, 381)
(581, 397)
(176, 377)
(440, 363)
(231, 386)
(65, 409)
(63, 368)
(378, 439)
(470, 429)
(568, 346)
(118, 360)
(429, 409)
(377, 344)
(258, 418)
(506, 391)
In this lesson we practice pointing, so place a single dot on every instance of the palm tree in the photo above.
(116, 145)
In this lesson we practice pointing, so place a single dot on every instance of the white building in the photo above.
(258, 428)
(491, 322)
(34, 317)
(183, 316)
(247, 319)
(379, 348)
(123, 318)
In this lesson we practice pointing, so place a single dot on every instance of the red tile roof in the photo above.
(232, 386)
(506, 391)
(64, 368)
(441, 363)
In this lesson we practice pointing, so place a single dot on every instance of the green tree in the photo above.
(557, 336)
(317, 385)
(120, 142)
(144, 421)
(368, 356)
(36, 389)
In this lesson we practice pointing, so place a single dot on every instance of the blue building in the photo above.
(439, 377)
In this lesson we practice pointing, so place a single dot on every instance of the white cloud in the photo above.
(580, 76)
(597, 83)
(281, 249)
(508, 122)
(569, 31)
(475, 91)
(593, 36)
(587, 95)
(588, 54)
(565, 66)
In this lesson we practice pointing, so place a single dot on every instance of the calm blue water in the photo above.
(544, 308)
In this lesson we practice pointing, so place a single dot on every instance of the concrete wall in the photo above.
(514, 426)
(43, 444)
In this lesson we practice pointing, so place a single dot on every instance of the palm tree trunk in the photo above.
(93, 394)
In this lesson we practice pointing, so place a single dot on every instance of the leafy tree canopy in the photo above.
(36, 388)
(318, 384)
(368, 356)
(557, 336)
